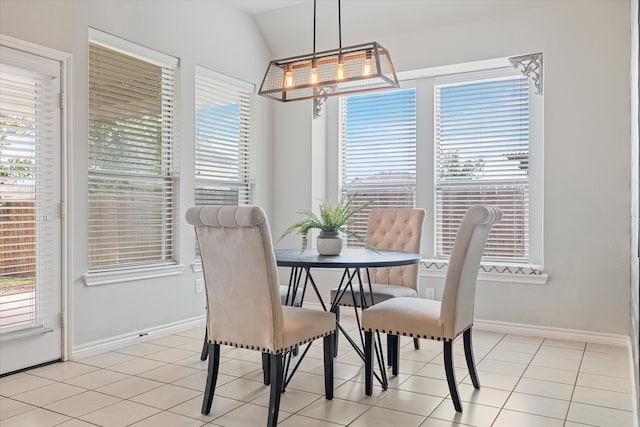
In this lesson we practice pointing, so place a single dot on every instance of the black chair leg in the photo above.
(276, 389)
(212, 377)
(205, 345)
(335, 344)
(451, 375)
(266, 368)
(389, 350)
(395, 345)
(416, 343)
(368, 363)
(468, 354)
(328, 343)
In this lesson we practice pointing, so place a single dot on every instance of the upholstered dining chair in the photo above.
(389, 229)
(243, 298)
(438, 320)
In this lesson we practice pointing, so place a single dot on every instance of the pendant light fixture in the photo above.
(342, 71)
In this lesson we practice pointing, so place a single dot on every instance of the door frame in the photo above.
(66, 237)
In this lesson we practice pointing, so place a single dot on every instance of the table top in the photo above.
(348, 258)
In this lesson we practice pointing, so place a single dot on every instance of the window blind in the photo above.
(378, 152)
(29, 190)
(223, 140)
(132, 174)
(482, 157)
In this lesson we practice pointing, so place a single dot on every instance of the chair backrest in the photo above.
(397, 230)
(241, 278)
(458, 299)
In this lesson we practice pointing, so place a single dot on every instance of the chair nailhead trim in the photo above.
(383, 331)
(266, 350)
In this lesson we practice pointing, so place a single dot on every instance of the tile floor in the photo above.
(526, 381)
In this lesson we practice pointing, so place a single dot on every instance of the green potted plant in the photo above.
(332, 221)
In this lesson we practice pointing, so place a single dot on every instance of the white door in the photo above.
(30, 223)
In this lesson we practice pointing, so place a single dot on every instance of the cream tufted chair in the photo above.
(416, 317)
(243, 297)
(396, 230)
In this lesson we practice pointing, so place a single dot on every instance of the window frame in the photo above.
(532, 272)
(160, 268)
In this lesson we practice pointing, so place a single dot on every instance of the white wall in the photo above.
(586, 49)
(198, 32)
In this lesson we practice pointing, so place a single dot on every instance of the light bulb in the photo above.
(313, 76)
(288, 77)
(366, 68)
(340, 74)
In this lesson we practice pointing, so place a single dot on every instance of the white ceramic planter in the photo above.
(329, 243)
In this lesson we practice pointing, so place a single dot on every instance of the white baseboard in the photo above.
(104, 345)
(551, 332)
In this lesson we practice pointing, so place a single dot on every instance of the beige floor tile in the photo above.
(140, 349)
(545, 388)
(106, 359)
(598, 415)
(300, 421)
(175, 340)
(431, 386)
(342, 371)
(523, 339)
(354, 391)
(136, 366)
(62, 371)
(406, 401)
(500, 367)
(383, 417)
(96, 379)
(509, 356)
(248, 415)
(599, 397)
(311, 383)
(337, 411)
(622, 385)
(575, 345)
(243, 390)
(171, 355)
(434, 422)
(129, 387)
(168, 419)
(508, 418)
(220, 406)
(556, 362)
(291, 401)
(565, 353)
(538, 405)
(121, 414)
(516, 346)
(20, 383)
(605, 348)
(82, 404)
(484, 396)
(10, 407)
(435, 370)
(619, 370)
(472, 414)
(37, 417)
(166, 396)
(168, 373)
(195, 333)
(239, 368)
(48, 394)
(493, 380)
(75, 423)
(198, 381)
(551, 374)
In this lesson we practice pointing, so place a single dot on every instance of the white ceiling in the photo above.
(287, 25)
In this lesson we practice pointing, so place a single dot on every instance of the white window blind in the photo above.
(29, 190)
(223, 140)
(378, 151)
(482, 157)
(132, 172)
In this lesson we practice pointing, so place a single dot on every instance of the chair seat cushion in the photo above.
(302, 325)
(380, 293)
(415, 317)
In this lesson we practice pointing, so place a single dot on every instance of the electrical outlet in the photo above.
(430, 293)
(199, 285)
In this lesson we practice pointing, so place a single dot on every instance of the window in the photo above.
(223, 140)
(378, 151)
(482, 157)
(132, 173)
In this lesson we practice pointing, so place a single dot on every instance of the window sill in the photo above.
(491, 272)
(131, 274)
